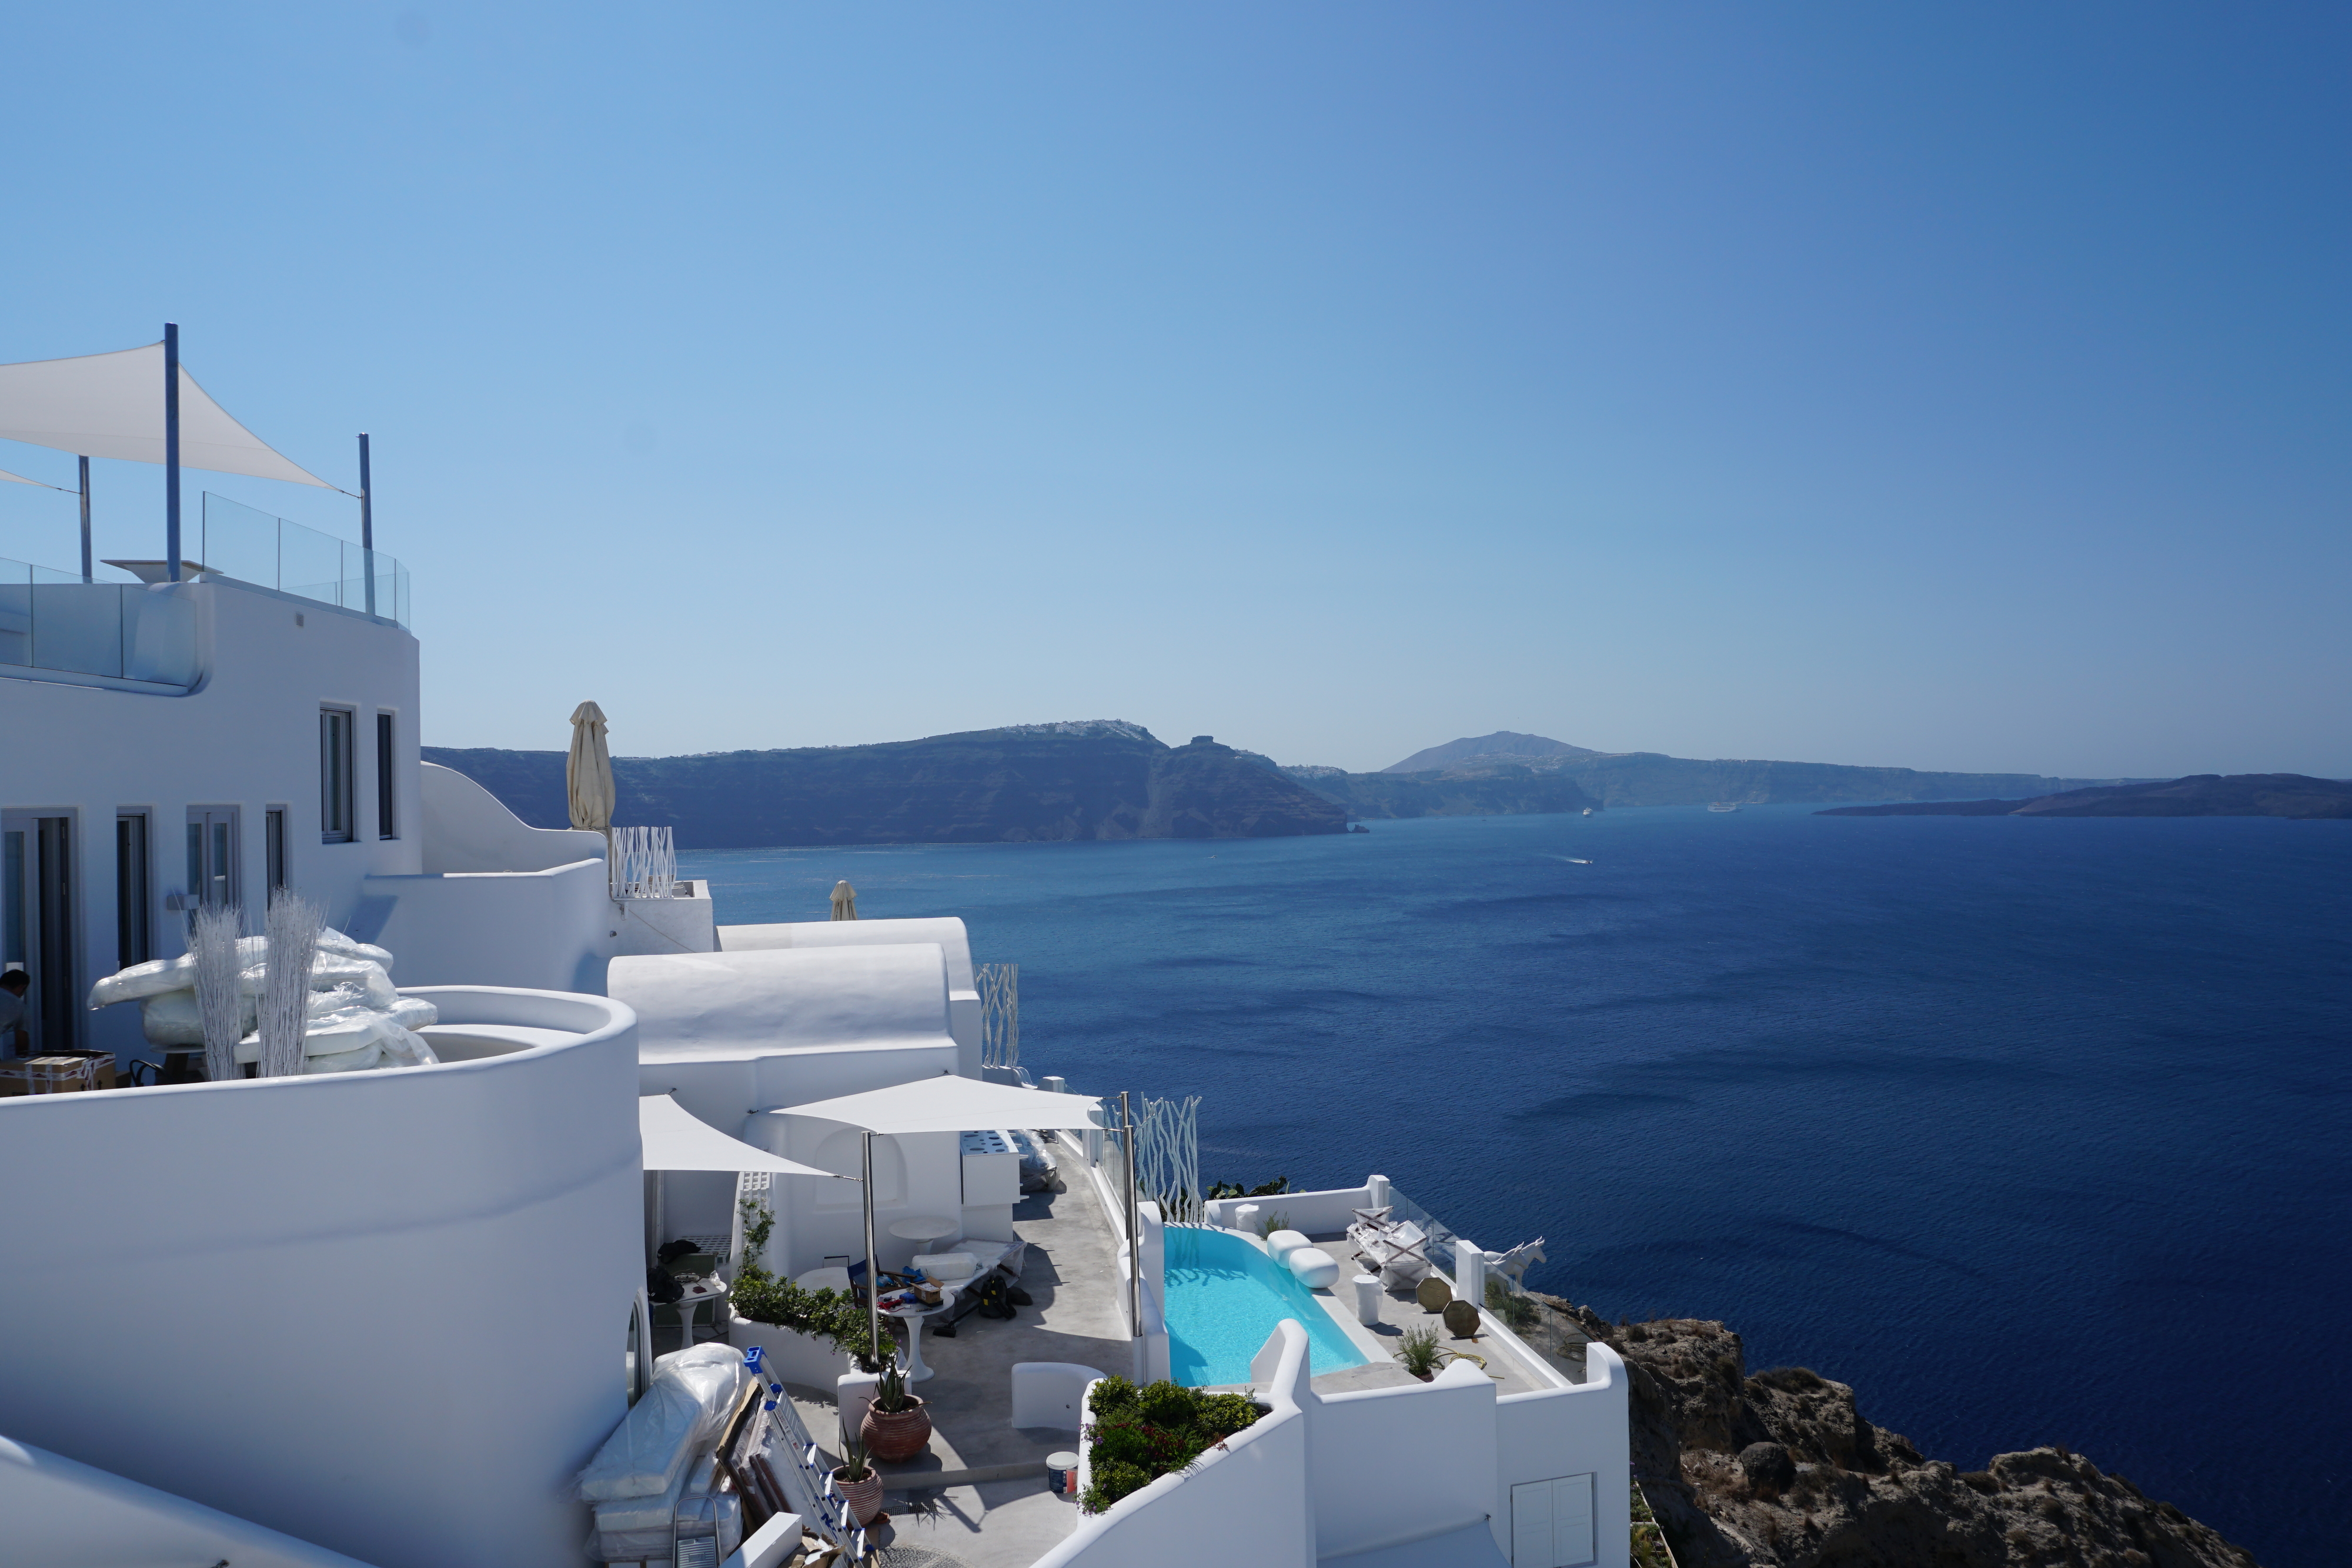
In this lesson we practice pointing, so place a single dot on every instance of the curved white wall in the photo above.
(382, 1312)
(717, 1004)
(61, 1514)
(467, 828)
(947, 931)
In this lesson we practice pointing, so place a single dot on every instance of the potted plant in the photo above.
(896, 1426)
(856, 1483)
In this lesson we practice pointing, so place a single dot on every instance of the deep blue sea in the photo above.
(2032, 1130)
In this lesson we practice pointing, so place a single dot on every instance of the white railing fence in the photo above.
(643, 863)
(1000, 1013)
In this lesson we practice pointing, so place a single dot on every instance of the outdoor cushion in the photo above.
(1282, 1243)
(1317, 1270)
(947, 1265)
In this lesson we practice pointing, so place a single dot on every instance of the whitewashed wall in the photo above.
(1391, 1464)
(1572, 1431)
(1318, 1213)
(60, 1513)
(380, 1311)
(538, 930)
(467, 828)
(246, 736)
(1248, 1503)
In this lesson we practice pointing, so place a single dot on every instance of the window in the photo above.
(335, 775)
(383, 777)
(212, 854)
(273, 846)
(131, 945)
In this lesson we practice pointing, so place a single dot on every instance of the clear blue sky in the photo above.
(1955, 387)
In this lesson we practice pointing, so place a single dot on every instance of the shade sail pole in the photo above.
(84, 520)
(1134, 1243)
(171, 450)
(873, 1264)
(367, 527)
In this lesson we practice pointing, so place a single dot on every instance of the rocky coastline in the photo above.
(1780, 1470)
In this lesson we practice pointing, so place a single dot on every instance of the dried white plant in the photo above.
(219, 1008)
(294, 924)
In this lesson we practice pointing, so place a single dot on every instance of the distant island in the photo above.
(1093, 779)
(2199, 795)
(1507, 773)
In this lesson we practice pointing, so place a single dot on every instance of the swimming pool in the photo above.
(1224, 1296)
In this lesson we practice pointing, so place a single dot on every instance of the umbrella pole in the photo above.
(84, 520)
(873, 1264)
(367, 525)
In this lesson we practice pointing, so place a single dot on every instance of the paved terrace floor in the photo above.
(981, 1491)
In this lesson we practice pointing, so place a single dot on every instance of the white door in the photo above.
(1551, 1524)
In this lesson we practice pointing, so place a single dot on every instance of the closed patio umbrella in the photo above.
(588, 771)
(845, 902)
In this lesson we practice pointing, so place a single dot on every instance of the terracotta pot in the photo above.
(895, 1436)
(862, 1498)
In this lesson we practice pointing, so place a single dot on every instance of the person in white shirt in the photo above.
(13, 986)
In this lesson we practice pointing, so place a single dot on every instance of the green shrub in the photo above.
(1139, 1435)
(764, 1298)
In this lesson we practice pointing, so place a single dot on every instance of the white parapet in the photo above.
(380, 1311)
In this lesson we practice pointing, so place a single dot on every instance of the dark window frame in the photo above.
(134, 882)
(337, 734)
(386, 824)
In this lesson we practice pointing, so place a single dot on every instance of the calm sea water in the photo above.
(2032, 1130)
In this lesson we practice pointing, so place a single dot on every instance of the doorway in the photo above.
(37, 923)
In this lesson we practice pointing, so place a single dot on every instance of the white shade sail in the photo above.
(675, 1141)
(111, 405)
(20, 479)
(951, 1105)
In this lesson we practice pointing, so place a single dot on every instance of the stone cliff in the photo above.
(2293, 795)
(1780, 1470)
(1099, 779)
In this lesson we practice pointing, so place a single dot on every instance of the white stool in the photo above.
(1368, 1299)
(1246, 1217)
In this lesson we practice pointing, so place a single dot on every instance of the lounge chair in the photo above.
(1395, 1254)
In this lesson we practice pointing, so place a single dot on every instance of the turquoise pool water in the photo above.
(1224, 1296)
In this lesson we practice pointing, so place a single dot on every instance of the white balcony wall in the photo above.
(292, 1283)
(1249, 1503)
(62, 1514)
(467, 828)
(538, 930)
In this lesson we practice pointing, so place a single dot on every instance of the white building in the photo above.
(386, 1316)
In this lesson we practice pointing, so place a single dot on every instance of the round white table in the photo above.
(925, 1227)
(697, 1293)
(914, 1315)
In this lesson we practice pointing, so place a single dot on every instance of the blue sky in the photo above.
(1955, 388)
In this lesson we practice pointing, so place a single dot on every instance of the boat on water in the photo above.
(459, 1245)
(1588, 810)
(1724, 806)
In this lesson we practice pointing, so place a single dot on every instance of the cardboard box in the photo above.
(57, 1073)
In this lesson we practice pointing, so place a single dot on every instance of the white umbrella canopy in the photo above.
(951, 1105)
(675, 1140)
(588, 770)
(844, 901)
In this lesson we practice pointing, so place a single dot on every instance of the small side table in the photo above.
(699, 1292)
(915, 1316)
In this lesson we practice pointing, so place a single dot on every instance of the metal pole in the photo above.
(171, 450)
(367, 527)
(873, 1264)
(1134, 1241)
(84, 520)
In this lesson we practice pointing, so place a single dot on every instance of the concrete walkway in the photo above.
(979, 1494)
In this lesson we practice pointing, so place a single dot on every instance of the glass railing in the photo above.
(238, 541)
(1539, 1320)
(52, 620)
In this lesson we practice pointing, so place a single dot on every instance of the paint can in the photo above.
(1061, 1472)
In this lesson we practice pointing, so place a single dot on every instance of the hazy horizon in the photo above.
(1957, 391)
